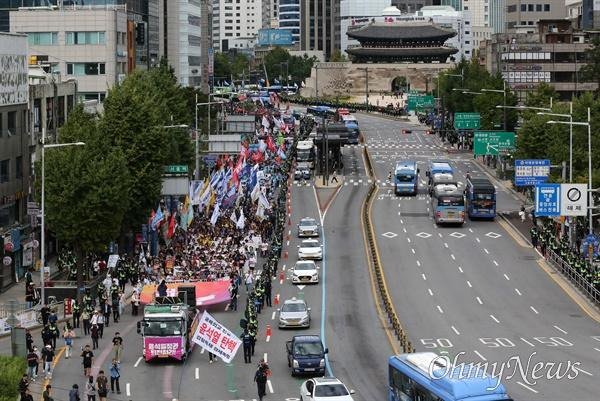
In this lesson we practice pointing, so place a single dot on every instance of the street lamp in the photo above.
(588, 124)
(524, 108)
(43, 207)
(197, 142)
(503, 91)
(174, 126)
(570, 117)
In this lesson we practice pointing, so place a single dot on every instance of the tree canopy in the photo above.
(591, 71)
(298, 67)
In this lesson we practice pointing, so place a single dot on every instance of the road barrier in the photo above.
(376, 265)
(586, 286)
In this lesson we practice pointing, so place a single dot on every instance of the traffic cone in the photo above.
(277, 299)
(281, 276)
(289, 221)
(285, 254)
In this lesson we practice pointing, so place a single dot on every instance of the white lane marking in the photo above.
(446, 244)
(268, 339)
(527, 342)
(440, 234)
(273, 315)
(477, 239)
(496, 263)
(479, 355)
(418, 263)
(138, 362)
(534, 310)
(430, 292)
(404, 229)
(479, 300)
(440, 309)
(128, 389)
(456, 331)
(197, 374)
(270, 386)
(460, 269)
(424, 277)
(469, 284)
(561, 330)
(470, 230)
(506, 277)
(408, 239)
(486, 251)
(452, 256)
(413, 251)
(289, 232)
(283, 268)
(287, 243)
(517, 291)
(265, 357)
(527, 387)
(494, 319)
(597, 349)
(401, 221)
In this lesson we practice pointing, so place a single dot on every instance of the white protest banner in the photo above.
(112, 261)
(216, 338)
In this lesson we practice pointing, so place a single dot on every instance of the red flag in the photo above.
(271, 144)
(171, 231)
(257, 157)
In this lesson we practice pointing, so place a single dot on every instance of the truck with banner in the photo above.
(167, 329)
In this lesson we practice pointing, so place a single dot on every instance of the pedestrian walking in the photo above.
(76, 314)
(45, 311)
(85, 318)
(116, 309)
(100, 323)
(249, 282)
(95, 333)
(117, 342)
(54, 334)
(46, 335)
(32, 364)
(106, 309)
(74, 393)
(102, 386)
(23, 385)
(28, 340)
(68, 336)
(47, 394)
(90, 389)
(260, 377)
(48, 358)
(115, 375)
(87, 359)
(27, 396)
(247, 343)
(268, 291)
(135, 302)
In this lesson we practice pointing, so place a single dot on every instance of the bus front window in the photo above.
(483, 201)
(405, 178)
(162, 328)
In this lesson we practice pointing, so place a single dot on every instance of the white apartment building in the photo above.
(459, 21)
(183, 40)
(235, 19)
(353, 12)
(85, 44)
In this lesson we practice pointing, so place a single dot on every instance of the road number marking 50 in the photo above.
(436, 343)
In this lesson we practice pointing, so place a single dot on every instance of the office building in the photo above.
(455, 4)
(87, 44)
(458, 21)
(320, 26)
(241, 19)
(270, 14)
(289, 17)
(586, 13)
(554, 55)
(523, 15)
(15, 165)
(481, 23)
(412, 6)
(358, 12)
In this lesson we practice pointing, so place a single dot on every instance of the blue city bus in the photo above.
(481, 198)
(406, 177)
(424, 376)
(448, 204)
(353, 130)
(318, 111)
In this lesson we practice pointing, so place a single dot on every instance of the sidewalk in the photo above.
(17, 291)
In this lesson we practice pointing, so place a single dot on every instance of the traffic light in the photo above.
(140, 33)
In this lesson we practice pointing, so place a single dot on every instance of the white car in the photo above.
(305, 272)
(325, 389)
(308, 227)
(294, 313)
(310, 249)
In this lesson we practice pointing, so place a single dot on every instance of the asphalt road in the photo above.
(473, 289)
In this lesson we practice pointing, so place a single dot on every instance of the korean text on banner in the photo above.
(163, 347)
(215, 338)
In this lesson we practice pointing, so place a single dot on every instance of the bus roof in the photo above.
(404, 165)
(468, 382)
(482, 184)
(449, 189)
(348, 117)
(304, 145)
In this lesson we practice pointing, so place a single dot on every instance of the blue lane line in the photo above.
(324, 300)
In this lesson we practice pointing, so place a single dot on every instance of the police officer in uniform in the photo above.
(247, 342)
(76, 314)
(253, 330)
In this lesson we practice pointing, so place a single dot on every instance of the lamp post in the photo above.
(43, 207)
(570, 117)
(588, 124)
(197, 141)
(503, 91)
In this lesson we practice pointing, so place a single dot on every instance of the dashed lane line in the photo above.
(273, 315)
(479, 300)
(265, 357)
(413, 251)
(197, 373)
(518, 292)
(430, 292)
(439, 308)
(479, 355)
(527, 387)
(534, 310)
(496, 263)
(486, 251)
(418, 263)
(460, 269)
(424, 277)
(495, 319)
(469, 284)
(270, 385)
(506, 277)
(561, 330)
(456, 331)
(128, 389)
(477, 239)
(527, 342)
(137, 362)
(452, 256)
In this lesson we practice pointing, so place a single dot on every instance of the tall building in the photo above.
(353, 12)
(91, 45)
(241, 19)
(481, 22)
(458, 21)
(586, 12)
(412, 6)
(289, 17)
(523, 15)
(455, 4)
(498, 15)
(320, 26)
(183, 39)
(270, 13)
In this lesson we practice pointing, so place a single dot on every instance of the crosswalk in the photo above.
(402, 146)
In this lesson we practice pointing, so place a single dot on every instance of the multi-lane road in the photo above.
(473, 291)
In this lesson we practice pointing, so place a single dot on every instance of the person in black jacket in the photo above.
(260, 377)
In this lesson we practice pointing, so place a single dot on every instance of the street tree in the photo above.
(591, 70)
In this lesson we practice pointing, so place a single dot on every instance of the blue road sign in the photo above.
(547, 200)
(531, 172)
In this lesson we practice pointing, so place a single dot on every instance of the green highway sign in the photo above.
(420, 102)
(492, 142)
(176, 169)
(467, 120)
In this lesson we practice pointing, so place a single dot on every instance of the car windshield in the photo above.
(405, 177)
(304, 266)
(294, 307)
(310, 244)
(309, 349)
(308, 222)
(162, 328)
(330, 390)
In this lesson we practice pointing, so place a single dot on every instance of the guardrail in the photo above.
(574, 276)
(377, 267)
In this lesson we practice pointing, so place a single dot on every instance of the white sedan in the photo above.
(325, 389)
(310, 249)
(305, 272)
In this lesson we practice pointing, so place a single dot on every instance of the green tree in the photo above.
(591, 71)
(12, 369)
(338, 56)
(87, 187)
(298, 67)
(231, 65)
(541, 96)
